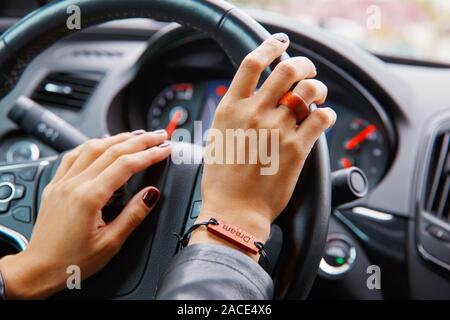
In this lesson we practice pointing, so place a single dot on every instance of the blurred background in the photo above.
(415, 29)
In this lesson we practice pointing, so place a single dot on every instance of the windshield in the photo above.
(417, 29)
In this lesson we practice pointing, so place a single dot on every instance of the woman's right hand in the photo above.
(239, 193)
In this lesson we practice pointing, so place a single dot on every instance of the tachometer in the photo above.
(356, 141)
(172, 108)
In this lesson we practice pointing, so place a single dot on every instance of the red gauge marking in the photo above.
(173, 123)
(360, 137)
(221, 90)
(346, 163)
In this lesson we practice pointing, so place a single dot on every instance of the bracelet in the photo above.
(2, 288)
(229, 233)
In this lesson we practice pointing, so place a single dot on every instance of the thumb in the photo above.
(133, 214)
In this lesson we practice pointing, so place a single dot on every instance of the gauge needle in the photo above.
(173, 123)
(346, 163)
(360, 137)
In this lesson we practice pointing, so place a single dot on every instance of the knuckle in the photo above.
(286, 70)
(310, 65)
(136, 218)
(69, 157)
(93, 147)
(253, 120)
(310, 89)
(272, 44)
(47, 191)
(252, 63)
(291, 143)
(115, 151)
(322, 117)
(86, 195)
(127, 163)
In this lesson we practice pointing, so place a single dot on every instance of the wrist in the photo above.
(28, 278)
(249, 222)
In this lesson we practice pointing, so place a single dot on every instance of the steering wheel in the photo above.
(147, 253)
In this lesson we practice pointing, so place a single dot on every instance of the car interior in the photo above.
(135, 73)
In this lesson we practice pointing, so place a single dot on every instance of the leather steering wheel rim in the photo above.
(305, 221)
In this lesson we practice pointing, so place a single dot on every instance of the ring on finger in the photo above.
(296, 104)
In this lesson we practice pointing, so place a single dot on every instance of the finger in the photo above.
(283, 78)
(93, 148)
(247, 77)
(66, 163)
(130, 146)
(119, 172)
(314, 125)
(312, 91)
(132, 215)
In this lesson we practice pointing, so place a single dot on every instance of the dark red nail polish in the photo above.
(151, 197)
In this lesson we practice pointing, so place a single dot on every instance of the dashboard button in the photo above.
(22, 214)
(337, 253)
(7, 177)
(338, 258)
(6, 191)
(4, 207)
(439, 233)
(19, 192)
(28, 174)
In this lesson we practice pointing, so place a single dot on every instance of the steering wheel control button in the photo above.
(7, 177)
(195, 211)
(19, 192)
(339, 256)
(28, 174)
(7, 191)
(439, 233)
(4, 207)
(22, 214)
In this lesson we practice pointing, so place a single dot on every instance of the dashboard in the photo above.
(358, 139)
(386, 112)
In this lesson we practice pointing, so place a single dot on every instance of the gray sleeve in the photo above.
(214, 272)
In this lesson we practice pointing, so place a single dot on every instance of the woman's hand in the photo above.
(69, 229)
(239, 193)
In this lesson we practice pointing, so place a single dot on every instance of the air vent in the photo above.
(70, 90)
(438, 196)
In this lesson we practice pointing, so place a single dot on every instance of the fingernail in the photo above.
(151, 197)
(138, 132)
(165, 144)
(282, 37)
(161, 131)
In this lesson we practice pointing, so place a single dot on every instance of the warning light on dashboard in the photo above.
(221, 90)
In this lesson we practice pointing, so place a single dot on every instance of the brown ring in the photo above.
(296, 104)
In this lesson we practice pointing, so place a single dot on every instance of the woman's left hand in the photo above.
(70, 230)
